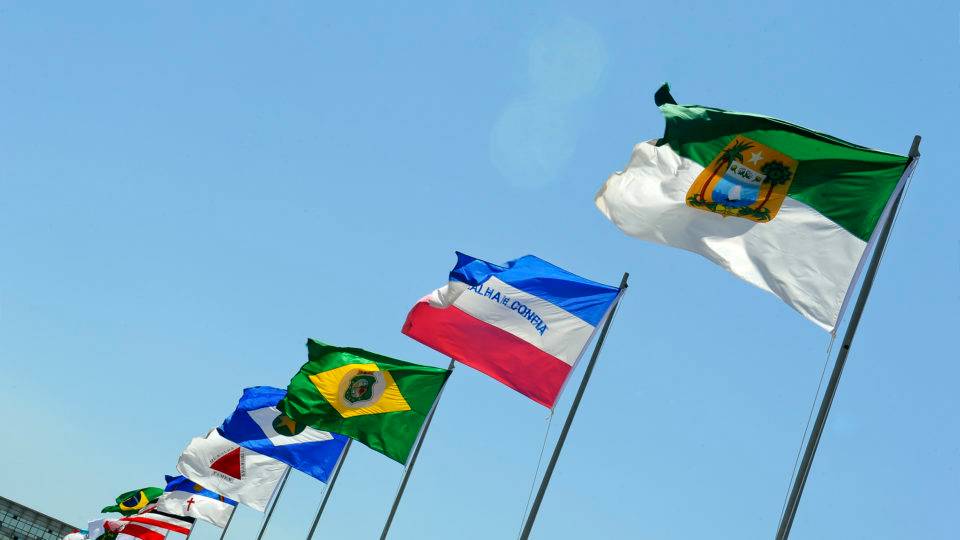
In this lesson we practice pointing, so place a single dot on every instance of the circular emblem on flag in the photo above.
(361, 389)
(284, 425)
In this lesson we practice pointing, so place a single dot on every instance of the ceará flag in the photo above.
(525, 324)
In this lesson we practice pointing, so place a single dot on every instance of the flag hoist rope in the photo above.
(790, 512)
(330, 482)
(532, 515)
(413, 457)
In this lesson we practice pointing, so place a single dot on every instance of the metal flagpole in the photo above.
(790, 510)
(532, 516)
(229, 519)
(276, 497)
(413, 459)
(330, 482)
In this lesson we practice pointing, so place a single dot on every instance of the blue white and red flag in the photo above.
(525, 323)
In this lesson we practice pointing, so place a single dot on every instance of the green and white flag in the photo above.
(787, 209)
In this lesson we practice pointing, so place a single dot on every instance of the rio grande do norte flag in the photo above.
(377, 400)
(784, 208)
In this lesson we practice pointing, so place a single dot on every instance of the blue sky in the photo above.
(188, 192)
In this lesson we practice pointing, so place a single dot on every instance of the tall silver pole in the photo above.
(532, 516)
(276, 497)
(330, 482)
(793, 503)
(413, 459)
(229, 519)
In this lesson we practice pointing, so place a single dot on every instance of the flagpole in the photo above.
(413, 459)
(793, 503)
(330, 482)
(227, 524)
(532, 516)
(276, 497)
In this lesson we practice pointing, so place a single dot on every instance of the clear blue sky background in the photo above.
(189, 191)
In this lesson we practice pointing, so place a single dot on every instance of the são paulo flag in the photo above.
(227, 468)
(525, 323)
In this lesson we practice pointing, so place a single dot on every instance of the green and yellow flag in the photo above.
(131, 502)
(377, 400)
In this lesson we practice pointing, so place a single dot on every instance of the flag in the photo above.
(227, 468)
(377, 400)
(525, 324)
(131, 502)
(139, 531)
(97, 528)
(258, 425)
(184, 497)
(156, 519)
(110, 529)
(787, 209)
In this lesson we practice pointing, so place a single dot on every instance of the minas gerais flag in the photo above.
(377, 400)
(787, 209)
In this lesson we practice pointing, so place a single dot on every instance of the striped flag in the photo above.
(525, 324)
(132, 531)
(153, 519)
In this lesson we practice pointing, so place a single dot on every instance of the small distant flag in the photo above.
(184, 497)
(225, 467)
(154, 519)
(131, 502)
(525, 323)
(109, 529)
(97, 528)
(377, 400)
(257, 424)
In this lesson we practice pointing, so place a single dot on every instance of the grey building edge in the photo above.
(19, 522)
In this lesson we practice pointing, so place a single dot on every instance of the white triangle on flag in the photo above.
(264, 418)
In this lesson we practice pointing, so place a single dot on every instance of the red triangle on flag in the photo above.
(228, 464)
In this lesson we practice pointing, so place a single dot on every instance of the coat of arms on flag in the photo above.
(377, 400)
(746, 179)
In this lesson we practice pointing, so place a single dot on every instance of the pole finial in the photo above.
(915, 147)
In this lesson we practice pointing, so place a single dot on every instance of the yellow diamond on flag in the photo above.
(359, 389)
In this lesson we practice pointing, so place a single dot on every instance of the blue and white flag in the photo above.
(258, 425)
(184, 497)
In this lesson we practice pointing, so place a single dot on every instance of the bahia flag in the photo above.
(525, 324)
(789, 210)
(225, 467)
(184, 497)
(377, 400)
(258, 425)
(131, 502)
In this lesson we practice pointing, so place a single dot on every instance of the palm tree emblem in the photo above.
(777, 173)
(732, 153)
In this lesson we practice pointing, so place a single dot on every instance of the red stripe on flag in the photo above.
(158, 523)
(143, 533)
(488, 349)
